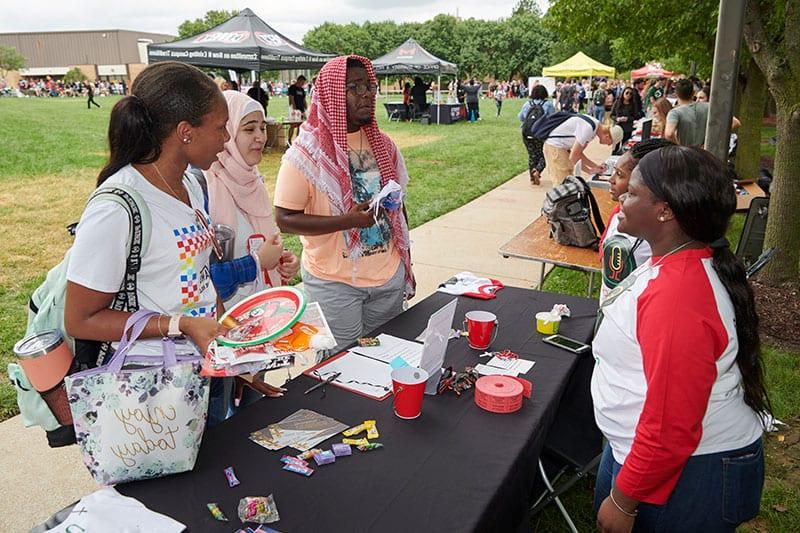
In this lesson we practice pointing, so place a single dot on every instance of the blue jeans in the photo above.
(599, 113)
(715, 493)
(220, 400)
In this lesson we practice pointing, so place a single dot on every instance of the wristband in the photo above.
(174, 326)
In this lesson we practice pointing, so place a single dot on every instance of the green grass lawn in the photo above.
(52, 149)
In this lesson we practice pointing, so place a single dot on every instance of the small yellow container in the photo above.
(545, 323)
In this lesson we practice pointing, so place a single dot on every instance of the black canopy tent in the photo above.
(243, 42)
(411, 58)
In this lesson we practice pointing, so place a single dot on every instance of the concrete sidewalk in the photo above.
(38, 481)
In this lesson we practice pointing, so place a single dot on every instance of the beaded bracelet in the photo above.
(618, 506)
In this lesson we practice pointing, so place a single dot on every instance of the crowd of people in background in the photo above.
(54, 88)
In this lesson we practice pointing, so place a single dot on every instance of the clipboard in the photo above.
(371, 377)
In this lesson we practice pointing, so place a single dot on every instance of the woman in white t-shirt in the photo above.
(238, 199)
(174, 117)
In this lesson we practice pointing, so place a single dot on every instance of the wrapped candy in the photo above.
(341, 450)
(325, 458)
(372, 429)
(216, 512)
(308, 454)
(354, 430)
(288, 459)
(297, 468)
(355, 442)
(258, 509)
(231, 477)
(369, 446)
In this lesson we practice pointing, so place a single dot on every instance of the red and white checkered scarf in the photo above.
(320, 153)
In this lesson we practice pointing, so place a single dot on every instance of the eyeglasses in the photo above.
(362, 88)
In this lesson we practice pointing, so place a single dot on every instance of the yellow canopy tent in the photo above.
(579, 65)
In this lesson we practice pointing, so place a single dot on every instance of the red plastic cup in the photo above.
(408, 383)
(481, 329)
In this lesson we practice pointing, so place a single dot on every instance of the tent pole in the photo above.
(439, 98)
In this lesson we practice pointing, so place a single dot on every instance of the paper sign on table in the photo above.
(486, 370)
(520, 366)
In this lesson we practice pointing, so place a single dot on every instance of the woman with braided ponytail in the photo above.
(679, 387)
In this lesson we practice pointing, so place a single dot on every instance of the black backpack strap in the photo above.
(126, 298)
(598, 218)
(589, 120)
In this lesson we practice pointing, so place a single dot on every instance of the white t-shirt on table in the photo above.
(174, 277)
(571, 130)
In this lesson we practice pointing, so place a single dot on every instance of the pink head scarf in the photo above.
(235, 186)
(320, 152)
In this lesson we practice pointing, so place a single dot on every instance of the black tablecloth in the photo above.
(455, 468)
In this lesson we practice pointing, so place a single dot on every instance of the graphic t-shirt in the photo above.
(174, 277)
(325, 256)
(366, 179)
(621, 254)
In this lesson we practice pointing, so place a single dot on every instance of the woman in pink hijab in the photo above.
(238, 199)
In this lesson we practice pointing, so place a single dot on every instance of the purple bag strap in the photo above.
(133, 329)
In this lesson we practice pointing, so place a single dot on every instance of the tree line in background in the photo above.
(770, 62)
(625, 34)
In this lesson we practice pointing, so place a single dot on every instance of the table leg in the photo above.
(591, 285)
(541, 276)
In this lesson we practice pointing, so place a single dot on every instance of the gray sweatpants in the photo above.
(354, 311)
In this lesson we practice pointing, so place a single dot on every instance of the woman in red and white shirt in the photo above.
(678, 386)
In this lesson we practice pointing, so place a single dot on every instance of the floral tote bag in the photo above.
(139, 417)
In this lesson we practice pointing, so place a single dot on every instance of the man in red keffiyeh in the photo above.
(355, 263)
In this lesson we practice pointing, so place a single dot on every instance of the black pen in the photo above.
(329, 379)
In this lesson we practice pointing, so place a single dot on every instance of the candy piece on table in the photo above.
(258, 509)
(297, 468)
(308, 454)
(369, 446)
(355, 442)
(216, 512)
(231, 477)
(355, 430)
(325, 458)
(288, 459)
(372, 429)
(341, 450)
(369, 342)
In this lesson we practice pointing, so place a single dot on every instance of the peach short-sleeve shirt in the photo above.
(325, 256)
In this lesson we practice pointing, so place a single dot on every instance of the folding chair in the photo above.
(751, 242)
(574, 444)
(554, 489)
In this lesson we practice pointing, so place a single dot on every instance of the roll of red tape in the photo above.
(498, 394)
